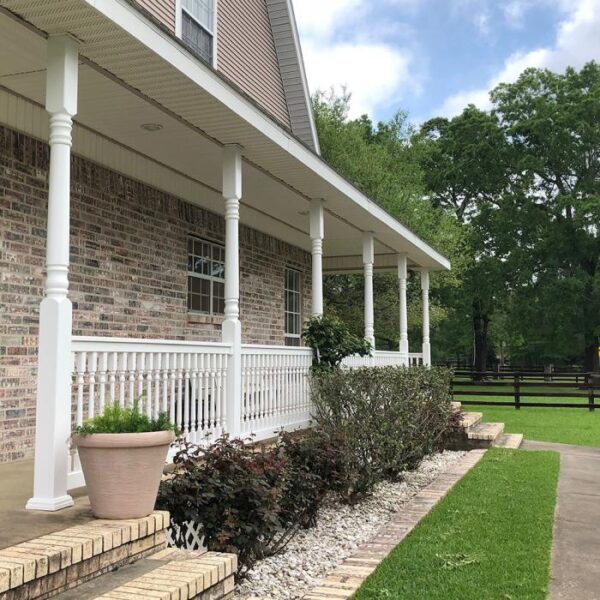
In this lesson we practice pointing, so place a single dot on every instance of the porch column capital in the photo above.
(317, 232)
(368, 260)
(53, 412)
(232, 172)
(403, 304)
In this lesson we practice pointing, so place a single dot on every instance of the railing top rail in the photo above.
(272, 349)
(116, 344)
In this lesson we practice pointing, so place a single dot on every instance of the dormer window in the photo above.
(198, 27)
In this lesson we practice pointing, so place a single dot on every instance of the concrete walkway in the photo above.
(576, 547)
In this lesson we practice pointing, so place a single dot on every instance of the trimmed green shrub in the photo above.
(332, 341)
(118, 419)
(384, 419)
(371, 424)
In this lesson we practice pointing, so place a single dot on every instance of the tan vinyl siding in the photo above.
(246, 54)
(162, 10)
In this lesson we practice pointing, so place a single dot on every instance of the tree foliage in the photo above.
(511, 196)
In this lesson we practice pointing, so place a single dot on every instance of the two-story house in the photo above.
(165, 223)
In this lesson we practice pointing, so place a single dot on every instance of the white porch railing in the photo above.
(184, 379)
(383, 358)
(187, 380)
(275, 389)
(415, 359)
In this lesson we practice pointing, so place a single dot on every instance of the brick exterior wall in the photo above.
(128, 271)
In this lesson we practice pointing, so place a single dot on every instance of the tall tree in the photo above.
(552, 122)
(465, 167)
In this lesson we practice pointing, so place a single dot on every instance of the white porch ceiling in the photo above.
(124, 84)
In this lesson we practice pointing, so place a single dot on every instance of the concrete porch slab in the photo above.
(19, 525)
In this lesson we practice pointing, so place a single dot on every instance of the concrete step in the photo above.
(168, 574)
(456, 406)
(470, 419)
(485, 432)
(509, 440)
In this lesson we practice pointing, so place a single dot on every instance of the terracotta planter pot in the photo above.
(123, 471)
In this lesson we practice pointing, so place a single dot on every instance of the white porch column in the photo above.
(368, 260)
(232, 328)
(426, 341)
(316, 235)
(53, 416)
(402, 276)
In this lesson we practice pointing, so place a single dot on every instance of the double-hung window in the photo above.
(198, 26)
(206, 277)
(292, 310)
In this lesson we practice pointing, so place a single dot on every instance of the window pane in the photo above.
(195, 36)
(195, 302)
(218, 270)
(201, 10)
(195, 285)
(218, 298)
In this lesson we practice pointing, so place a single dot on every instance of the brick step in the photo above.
(168, 574)
(470, 419)
(509, 440)
(45, 566)
(485, 432)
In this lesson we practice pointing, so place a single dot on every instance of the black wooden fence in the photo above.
(518, 385)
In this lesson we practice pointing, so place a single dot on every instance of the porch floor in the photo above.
(19, 525)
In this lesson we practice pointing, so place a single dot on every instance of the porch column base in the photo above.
(232, 334)
(49, 504)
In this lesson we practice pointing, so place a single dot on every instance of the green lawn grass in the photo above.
(489, 539)
(565, 425)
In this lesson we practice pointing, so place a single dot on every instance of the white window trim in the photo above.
(296, 336)
(210, 278)
(178, 26)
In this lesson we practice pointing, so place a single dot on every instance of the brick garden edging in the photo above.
(345, 580)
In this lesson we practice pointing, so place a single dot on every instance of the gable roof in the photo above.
(293, 74)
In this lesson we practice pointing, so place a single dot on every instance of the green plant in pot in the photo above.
(122, 454)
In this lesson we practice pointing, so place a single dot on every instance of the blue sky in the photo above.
(433, 57)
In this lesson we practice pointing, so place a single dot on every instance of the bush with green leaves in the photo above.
(118, 419)
(385, 420)
(370, 424)
(332, 341)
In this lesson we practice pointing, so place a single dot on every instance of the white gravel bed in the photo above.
(315, 552)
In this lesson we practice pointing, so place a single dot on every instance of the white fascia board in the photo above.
(125, 16)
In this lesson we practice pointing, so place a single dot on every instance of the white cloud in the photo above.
(577, 42)
(343, 46)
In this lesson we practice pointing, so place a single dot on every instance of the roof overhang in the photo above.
(129, 51)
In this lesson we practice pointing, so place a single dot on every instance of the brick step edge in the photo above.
(44, 566)
(185, 576)
(485, 431)
(469, 420)
(511, 441)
